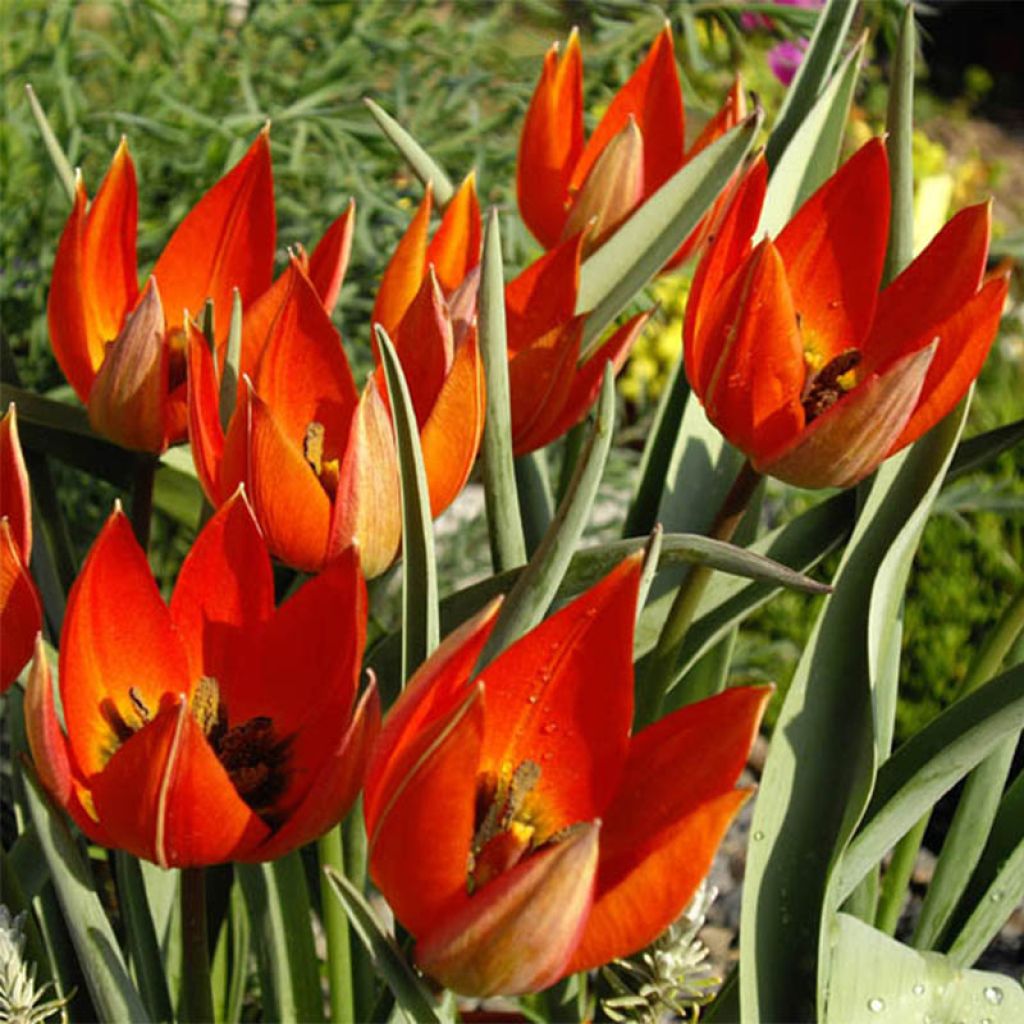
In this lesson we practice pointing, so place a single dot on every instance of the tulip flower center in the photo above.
(823, 389)
(254, 757)
(508, 823)
(313, 451)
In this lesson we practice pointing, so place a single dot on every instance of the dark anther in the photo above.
(823, 390)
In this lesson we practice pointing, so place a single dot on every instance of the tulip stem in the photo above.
(198, 995)
(661, 665)
(142, 498)
(330, 848)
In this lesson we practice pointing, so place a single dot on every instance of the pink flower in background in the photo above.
(784, 59)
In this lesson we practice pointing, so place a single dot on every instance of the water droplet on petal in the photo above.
(993, 994)
(876, 1004)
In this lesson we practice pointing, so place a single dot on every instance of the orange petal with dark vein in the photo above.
(205, 434)
(753, 394)
(551, 143)
(517, 934)
(834, 248)
(105, 653)
(455, 248)
(20, 613)
(226, 241)
(708, 305)
(932, 289)
(964, 340)
(336, 784)
(15, 501)
(436, 798)
(847, 442)
(224, 591)
(562, 697)
(543, 295)
(632, 914)
(451, 436)
(128, 400)
(403, 275)
(110, 273)
(290, 503)
(368, 507)
(165, 796)
(433, 693)
(330, 258)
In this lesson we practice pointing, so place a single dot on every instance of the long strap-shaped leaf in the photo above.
(420, 629)
(815, 69)
(508, 547)
(821, 766)
(536, 587)
(410, 993)
(931, 762)
(615, 272)
(277, 899)
(422, 163)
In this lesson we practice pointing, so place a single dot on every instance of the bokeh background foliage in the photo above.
(191, 83)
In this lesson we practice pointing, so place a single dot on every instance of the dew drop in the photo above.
(918, 989)
(993, 994)
(758, 836)
(876, 1005)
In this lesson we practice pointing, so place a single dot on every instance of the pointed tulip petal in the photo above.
(438, 686)
(551, 143)
(728, 248)
(404, 273)
(964, 340)
(455, 248)
(109, 660)
(290, 503)
(654, 98)
(436, 798)
(753, 394)
(15, 503)
(932, 289)
(128, 400)
(329, 261)
(848, 441)
(368, 506)
(543, 296)
(20, 612)
(205, 433)
(612, 189)
(226, 241)
(336, 784)
(562, 697)
(451, 436)
(165, 796)
(225, 589)
(632, 913)
(834, 249)
(517, 934)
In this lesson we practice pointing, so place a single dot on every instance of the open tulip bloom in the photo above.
(798, 358)
(565, 185)
(517, 828)
(20, 613)
(219, 728)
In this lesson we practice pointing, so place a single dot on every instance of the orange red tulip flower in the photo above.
(517, 828)
(798, 358)
(317, 458)
(565, 184)
(20, 613)
(551, 389)
(219, 728)
(125, 353)
(427, 305)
